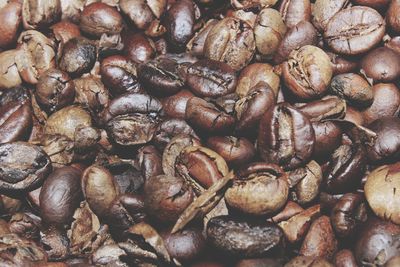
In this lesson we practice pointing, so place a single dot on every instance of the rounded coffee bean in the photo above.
(354, 30)
(10, 20)
(295, 11)
(91, 93)
(137, 47)
(141, 12)
(99, 18)
(23, 167)
(392, 16)
(170, 128)
(175, 106)
(259, 189)
(307, 72)
(60, 195)
(345, 258)
(244, 239)
(39, 13)
(353, 88)
(210, 78)
(78, 56)
(55, 90)
(166, 197)
(324, 10)
(381, 65)
(196, 44)
(286, 137)
(150, 161)
(380, 192)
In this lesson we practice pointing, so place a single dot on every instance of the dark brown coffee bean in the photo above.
(320, 240)
(291, 209)
(64, 31)
(342, 64)
(381, 65)
(23, 167)
(346, 168)
(180, 20)
(295, 11)
(345, 258)
(55, 90)
(386, 146)
(324, 10)
(91, 93)
(380, 192)
(307, 72)
(329, 107)
(235, 151)
(200, 167)
(60, 195)
(15, 115)
(170, 128)
(231, 41)
(10, 20)
(39, 13)
(349, 213)
(386, 102)
(78, 56)
(353, 88)
(242, 238)
(175, 106)
(354, 30)
(150, 161)
(128, 178)
(250, 108)
(392, 16)
(132, 118)
(137, 47)
(196, 45)
(377, 242)
(166, 197)
(210, 78)
(208, 117)
(98, 19)
(286, 137)
(259, 189)
(141, 12)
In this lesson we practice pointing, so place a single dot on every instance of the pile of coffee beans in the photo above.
(200, 133)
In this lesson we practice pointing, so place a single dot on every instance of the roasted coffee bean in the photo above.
(353, 88)
(231, 41)
(329, 107)
(386, 146)
(210, 78)
(119, 75)
(141, 12)
(64, 31)
(180, 20)
(307, 72)
(170, 128)
(200, 167)
(345, 258)
(342, 64)
(295, 11)
(10, 20)
(392, 16)
(377, 242)
(9, 75)
(91, 93)
(60, 195)
(285, 137)
(55, 242)
(99, 188)
(255, 73)
(386, 102)
(250, 108)
(320, 240)
(243, 238)
(132, 118)
(291, 209)
(150, 161)
(25, 225)
(54, 90)
(324, 10)
(380, 192)
(137, 47)
(208, 117)
(235, 151)
(269, 31)
(175, 106)
(381, 65)
(39, 13)
(128, 176)
(355, 116)
(15, 115)
(354, 30)
(349, 213)
(23, 167)
(259, 189)
(196, 45)
(166, 197)
(78, 56)
(346, 168)
(98, 19)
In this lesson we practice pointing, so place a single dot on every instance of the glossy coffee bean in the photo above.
(55, 90)
(196, 45)
(381, 65)
(10, 21)
(175, 106)
(60, 195)
(353, 88)
(210, 78)
(260, 189)
(295, 11)
(15, 115)
(380, 192)
(150, 161)
(285, 137)
(354, 30)
(244, 238)
(137, 47)
(141, 12)
(170, 128)
(24, 167)
(99, 18)
(324, 10)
